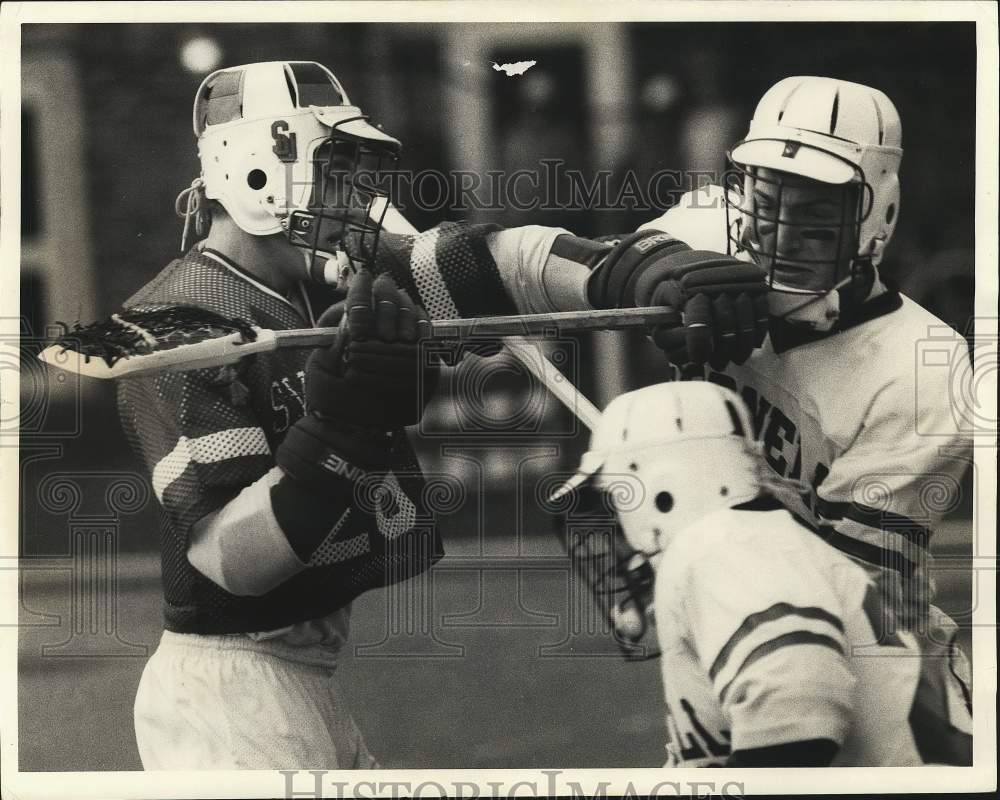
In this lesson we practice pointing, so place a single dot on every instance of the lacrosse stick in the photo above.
(530, 355)
(179, 338)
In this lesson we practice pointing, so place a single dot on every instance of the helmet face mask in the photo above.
(803, 232)
(347, 206)
(836, 145)
(620, 578)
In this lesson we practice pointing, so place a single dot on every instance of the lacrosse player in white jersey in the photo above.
(774, 652)
(777, 292)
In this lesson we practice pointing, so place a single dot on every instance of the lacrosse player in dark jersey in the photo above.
(286, 480)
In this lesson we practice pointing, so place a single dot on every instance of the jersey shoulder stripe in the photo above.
(790, 639)
(755, 621)
(871, 555)
(875, 518)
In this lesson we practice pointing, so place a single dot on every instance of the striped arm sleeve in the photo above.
(199, 448)
(782, 677)
(449, 270)
(766, 632)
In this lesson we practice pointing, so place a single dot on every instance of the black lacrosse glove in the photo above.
(368, 384)
(376, 374)
(719, 302)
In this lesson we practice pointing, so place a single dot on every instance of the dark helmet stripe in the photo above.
(788, 99)
(878, 116)
(834, 111)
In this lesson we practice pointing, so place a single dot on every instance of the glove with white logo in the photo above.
(720, 303)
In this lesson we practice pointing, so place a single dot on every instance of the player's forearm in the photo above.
(242, 547)
(545, 269)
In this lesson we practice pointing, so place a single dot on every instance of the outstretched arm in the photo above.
(465, 270)
(462, 270)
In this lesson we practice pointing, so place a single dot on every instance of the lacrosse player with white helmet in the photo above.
(774, 646)
(262, 467)
(813, 199)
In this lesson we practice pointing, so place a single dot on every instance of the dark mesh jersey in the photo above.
(206, 434)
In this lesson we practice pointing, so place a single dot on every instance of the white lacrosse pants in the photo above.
(225, 702)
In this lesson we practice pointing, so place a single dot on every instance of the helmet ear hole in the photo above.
(257, 179)
(664, 502)
(890, 213)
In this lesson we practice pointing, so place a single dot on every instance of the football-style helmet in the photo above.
(661, 458)
(284, 151)
(809, 131)
(667, 455)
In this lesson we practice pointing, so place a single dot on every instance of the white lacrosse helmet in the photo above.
(669, 454)
(260, 128)
(832, 131)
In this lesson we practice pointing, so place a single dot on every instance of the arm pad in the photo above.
(322, 463)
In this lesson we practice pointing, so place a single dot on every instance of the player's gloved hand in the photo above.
(720, 302)
(372, 376)
(367, 384)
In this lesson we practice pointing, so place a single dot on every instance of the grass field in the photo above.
(497, 680)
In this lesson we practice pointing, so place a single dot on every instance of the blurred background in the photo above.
(107, 145)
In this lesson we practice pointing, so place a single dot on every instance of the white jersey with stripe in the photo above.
(770, 637)
(865, 445)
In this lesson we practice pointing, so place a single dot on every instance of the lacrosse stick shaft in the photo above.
(514, 325)
(530, 355)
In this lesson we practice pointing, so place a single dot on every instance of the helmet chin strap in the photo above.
(825, 308)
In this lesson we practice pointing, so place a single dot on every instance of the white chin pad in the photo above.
(333, 269)
(340, 267)
(819, 312)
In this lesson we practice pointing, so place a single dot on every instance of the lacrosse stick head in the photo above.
(153, 338)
